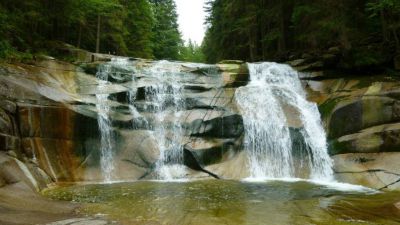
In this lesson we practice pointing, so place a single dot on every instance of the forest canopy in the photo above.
(364, 31)
(140, 28)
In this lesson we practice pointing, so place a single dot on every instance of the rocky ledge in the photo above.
(49, 130)
(362, 117)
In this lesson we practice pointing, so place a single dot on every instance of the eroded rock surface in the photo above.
(48, 116)
(377, 170)
(361, 116)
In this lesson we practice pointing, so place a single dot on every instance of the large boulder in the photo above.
(14, 171)
(375, 170)
(363, 113)
(234, 73)
(208, 151)
(381, 138)
(221, 127)
(361, 116)
(356, 109)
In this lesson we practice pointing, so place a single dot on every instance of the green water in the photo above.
(231, 202)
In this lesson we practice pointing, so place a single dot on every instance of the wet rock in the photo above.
(8, 142)
(234, 74)
(213, 151)
(6, 123)
(82, 221)
(8, 106)
(12, 154)
(192, 103)
(231, 62)
(212, 99)
(311, 66)
(221, 127)
(381, 138)
(91, 68)
(13, 171)
(362, 113)
(138, 147)
(197, 88)
(350, 105)
(38, 121)
(61, 159)
(20, 205)
(346, 119)
(235, 167)
(375, 170)
(121, 97)
(296, 62)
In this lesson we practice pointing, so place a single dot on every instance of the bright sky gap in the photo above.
(191, 19)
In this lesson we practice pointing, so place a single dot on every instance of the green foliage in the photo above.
(167, 39)
(388, 11)
(139, 23)
(140, 28)
(191, 52)
(275, 29)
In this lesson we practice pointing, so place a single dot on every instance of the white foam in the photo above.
(264, 103)
(338, 186)
(271, 179)
(345, 186)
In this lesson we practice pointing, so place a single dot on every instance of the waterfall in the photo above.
(167, 100)
(107, 140)
(268, 103)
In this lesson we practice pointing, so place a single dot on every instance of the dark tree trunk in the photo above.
(385, 33)
(79, 36)
(98, 34)
(397, 41)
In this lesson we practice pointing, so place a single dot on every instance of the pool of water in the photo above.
(216, 202)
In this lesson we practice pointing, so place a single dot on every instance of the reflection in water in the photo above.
(232, 202)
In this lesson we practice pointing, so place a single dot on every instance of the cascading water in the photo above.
(264, 102)
(103, 119)
(167, 101)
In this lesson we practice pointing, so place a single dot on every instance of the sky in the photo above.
(191, 19)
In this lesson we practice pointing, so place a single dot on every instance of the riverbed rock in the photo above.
(363, 113)
(83, 221)
(361, 116)
(234, 73)
(375, 170)
(212, 151)
(221, 127)
(48, 116)
(381, 138)
(138, 147)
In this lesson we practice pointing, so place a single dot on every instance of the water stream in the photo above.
(215, 202)
(284, 140)
(275, 110)
(107, 139)
(167, 100)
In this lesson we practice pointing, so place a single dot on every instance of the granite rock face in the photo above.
(49, 119)
(361, 116)
(48, 115)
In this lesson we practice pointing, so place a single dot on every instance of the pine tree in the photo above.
(167, 38)
(274, 29)
(139, 23)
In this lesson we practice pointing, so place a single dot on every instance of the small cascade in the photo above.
(105, 125)
(268, 104)
(167, 100)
